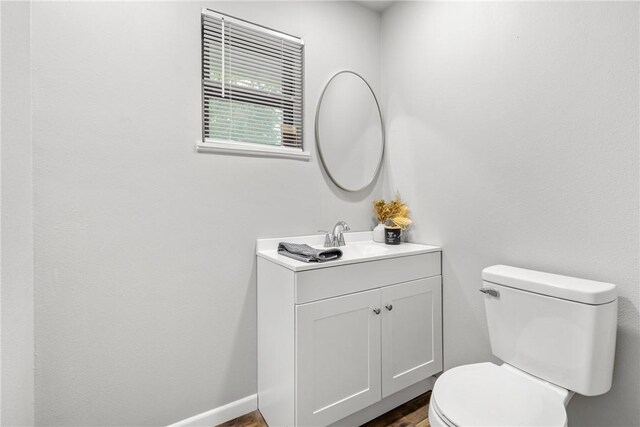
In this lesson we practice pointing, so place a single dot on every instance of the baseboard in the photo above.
(221, 414)
(248, 404)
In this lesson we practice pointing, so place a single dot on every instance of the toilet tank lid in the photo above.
(554, 285)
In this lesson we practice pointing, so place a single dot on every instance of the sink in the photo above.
(353, 250)
(359, 250)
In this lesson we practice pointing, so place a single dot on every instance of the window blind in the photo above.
(252, 83)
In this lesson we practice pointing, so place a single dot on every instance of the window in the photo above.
(252, 88)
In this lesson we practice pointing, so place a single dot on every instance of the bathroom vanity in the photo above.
(345, 341)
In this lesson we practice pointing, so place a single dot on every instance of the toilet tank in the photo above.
(558, 328)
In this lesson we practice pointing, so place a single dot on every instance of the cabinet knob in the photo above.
(388, 307)
(376, 310)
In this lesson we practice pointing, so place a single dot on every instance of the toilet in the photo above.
(555, 336)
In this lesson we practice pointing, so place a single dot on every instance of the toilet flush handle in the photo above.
(491, 292)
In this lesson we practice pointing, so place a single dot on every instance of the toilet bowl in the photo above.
(555, 334)
(484, 394)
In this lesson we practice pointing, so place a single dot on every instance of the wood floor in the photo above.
(411, 414)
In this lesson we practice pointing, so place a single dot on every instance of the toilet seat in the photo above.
(484, 394)
(436, 418)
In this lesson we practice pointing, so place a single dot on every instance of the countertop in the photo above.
(360, 247)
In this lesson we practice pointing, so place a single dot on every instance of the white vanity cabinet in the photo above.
(336, 338)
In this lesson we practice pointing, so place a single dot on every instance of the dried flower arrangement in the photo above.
(394, 212)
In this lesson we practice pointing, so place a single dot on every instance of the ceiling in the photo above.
(377, 5)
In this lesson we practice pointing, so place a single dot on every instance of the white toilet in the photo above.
(556, 336)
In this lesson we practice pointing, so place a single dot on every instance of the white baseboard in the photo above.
(248, 404)
(221, 414)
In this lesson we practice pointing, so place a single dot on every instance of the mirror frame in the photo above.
(317, 133)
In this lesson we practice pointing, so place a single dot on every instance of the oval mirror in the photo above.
(349, 131)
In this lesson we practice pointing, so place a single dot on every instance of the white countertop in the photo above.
(360, 247)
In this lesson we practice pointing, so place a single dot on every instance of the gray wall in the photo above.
(17, 218)
(512, 131)
(513, 135)
(145, 267)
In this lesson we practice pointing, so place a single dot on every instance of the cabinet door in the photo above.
(337, 357)
(411, 333)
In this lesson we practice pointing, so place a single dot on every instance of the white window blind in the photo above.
(252, 83)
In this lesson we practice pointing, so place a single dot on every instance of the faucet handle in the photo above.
(328, 239)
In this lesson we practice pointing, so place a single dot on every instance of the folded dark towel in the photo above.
(306, 253)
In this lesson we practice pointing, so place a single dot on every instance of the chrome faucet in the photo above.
(336, 237)
(338, 233)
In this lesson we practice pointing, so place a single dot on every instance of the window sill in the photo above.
(245, 149)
